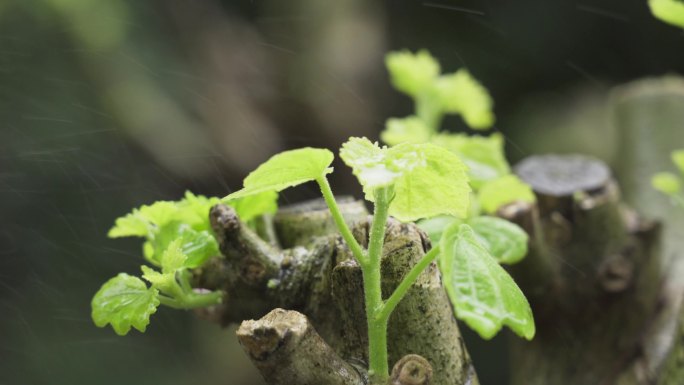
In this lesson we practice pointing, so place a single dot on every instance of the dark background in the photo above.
(109, 104)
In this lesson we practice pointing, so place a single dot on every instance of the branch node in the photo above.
(411, 369)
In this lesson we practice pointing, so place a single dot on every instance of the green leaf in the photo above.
(434, 227)
(484, 155)
(461, 93)
(370, 164)
(678, 160)
(434, 183)
(412, 73)
(287, 169)
(666, 182)
(194, 210)
(146, 220)
(173, 257)
(130, 225)
(142, 221)
(502, 191)
(483, 294)
(197, 246)
(669, 11)
(252, 206)
(428, 180)
(124, 302)
(160, 281)
(504, 240)
(410, 129)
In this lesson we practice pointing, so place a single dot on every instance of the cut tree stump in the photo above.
(605, 311)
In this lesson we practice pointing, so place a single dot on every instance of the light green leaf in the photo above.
(412, 73)
(142, 221)
(484, 155)
(434, 227)
(428, 180)
(461, 93)
(483, 294)
(146, 220)
(159, 213)
(410, 129)
(666, 182)
(669, 11)
(194, 210)
(197, 246)
(124, 302)
(434, 182)
(173, 257)
(678, 160)
(370, 164)
(502, 191)
(252, 206)
(130, 225)
(504, 240)
(164, 282)
(287, 169)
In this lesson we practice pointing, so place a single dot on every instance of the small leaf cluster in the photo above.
(435, 95)
(425, 181)
(178, 237)
(418, 75)
(417, 173)
(670, 183)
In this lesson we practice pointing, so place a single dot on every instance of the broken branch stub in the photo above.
(287, 350)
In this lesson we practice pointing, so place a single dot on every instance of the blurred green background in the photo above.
(109, 104)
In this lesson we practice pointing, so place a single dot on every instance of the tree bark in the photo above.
(591, 275)
(314, 276)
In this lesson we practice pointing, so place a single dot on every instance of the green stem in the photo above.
(428, 111)
(406, 284)
(195, 300)
(192, 300)
(329, 198)
(184, 278)
(378, 369)
(170, 302)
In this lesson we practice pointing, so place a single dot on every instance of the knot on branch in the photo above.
(224, 219)
(411, 369)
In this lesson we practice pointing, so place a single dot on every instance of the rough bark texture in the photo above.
(315, 275)
(603, 308)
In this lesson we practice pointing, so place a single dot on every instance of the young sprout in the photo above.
(178, 238)
(436, 95)
(412, 182)
(426, 175)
